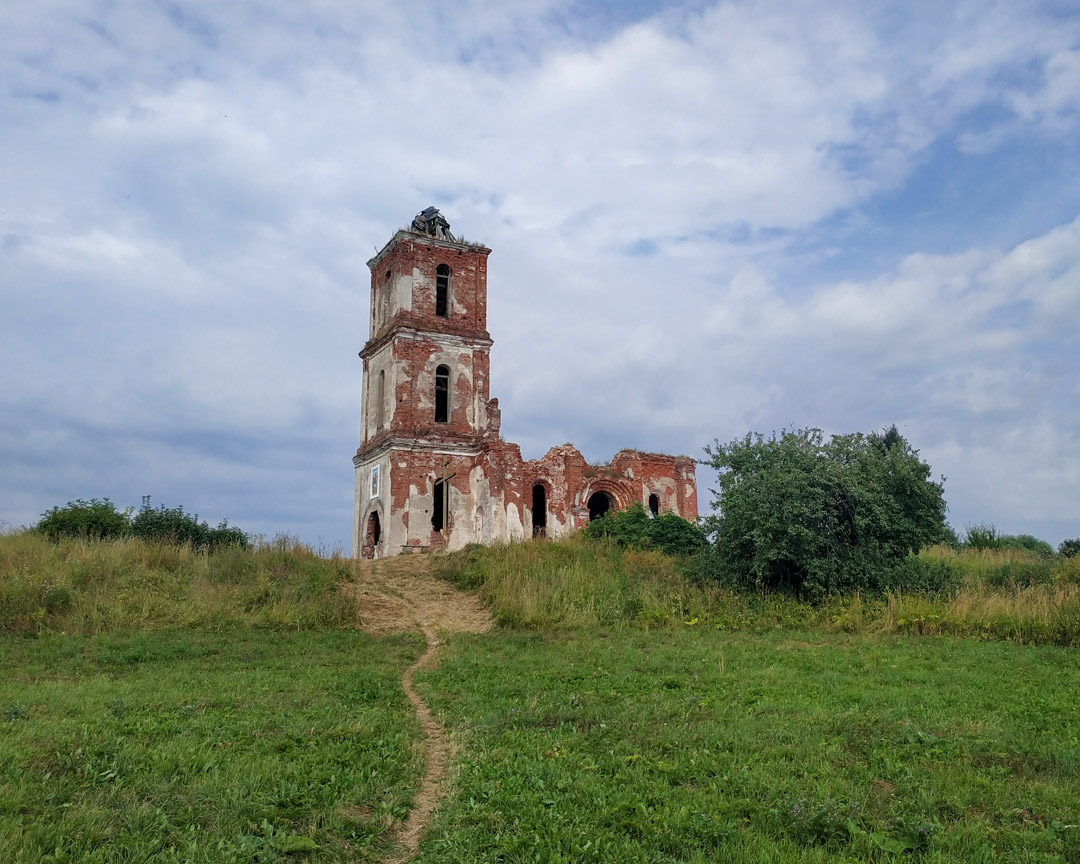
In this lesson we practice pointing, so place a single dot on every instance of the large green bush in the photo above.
(982, 537)
(669, 533)
(172, 525)
(799, 512)
(987, 537)
(96, 519)
(1069, 548)
(1028, 543)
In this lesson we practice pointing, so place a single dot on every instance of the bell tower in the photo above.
(425, 387)
(432, 470)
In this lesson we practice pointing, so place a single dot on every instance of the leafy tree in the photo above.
(1069, 548)
(96, 519)
(818, 516)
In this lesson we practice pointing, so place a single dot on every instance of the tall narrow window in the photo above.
(380, 405)
(386, 302)
(442, 394)
(654, 504)
(438, 510)
(442, 291)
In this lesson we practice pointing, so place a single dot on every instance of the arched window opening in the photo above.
(380, 405)
(438, 510)
(599, 504)
(442, 291)
(539, 510)
(442, 394)
(385, 300)
(654, 504)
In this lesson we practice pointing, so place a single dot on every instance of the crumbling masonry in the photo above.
(432, 470)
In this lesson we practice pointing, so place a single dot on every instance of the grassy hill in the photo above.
(162, 704)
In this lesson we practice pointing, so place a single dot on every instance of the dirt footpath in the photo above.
(400, 595)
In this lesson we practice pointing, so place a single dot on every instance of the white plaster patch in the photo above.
(514, 528)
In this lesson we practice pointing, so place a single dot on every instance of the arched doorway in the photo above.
(539, 510)
(372, 535)
(599, 504)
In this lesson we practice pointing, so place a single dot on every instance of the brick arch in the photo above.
(620, 493)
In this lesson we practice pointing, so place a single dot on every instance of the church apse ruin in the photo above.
(432, 471)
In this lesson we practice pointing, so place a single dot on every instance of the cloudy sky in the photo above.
(707, 219)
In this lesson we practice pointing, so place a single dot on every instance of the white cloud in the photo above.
(188, 197)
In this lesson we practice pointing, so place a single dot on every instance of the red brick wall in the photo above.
(417, 257)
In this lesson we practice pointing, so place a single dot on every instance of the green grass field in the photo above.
(195, 746)
(162, 705)
(690, 745)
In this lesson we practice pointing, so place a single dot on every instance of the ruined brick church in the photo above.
(432, 471)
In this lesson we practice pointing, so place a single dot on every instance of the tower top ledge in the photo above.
(429, 226)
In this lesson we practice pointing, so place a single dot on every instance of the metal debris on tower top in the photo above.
(431, 222)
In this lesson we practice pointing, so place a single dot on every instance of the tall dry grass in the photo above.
(80, 586)
(999, 594)
(1033, 614)
(582, 583)
(572, 583)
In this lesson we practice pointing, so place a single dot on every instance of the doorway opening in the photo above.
(599, 504)
(539, 510)
(438, 510)
(654, 504)
(372, 535)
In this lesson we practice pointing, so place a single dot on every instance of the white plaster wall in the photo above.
(665, 489)
(403, 291)
(378, 362)
(363, 503)
(357, 537)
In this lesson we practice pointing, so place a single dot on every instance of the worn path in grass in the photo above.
(400, 594)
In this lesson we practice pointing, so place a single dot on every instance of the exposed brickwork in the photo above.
(405, 450)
